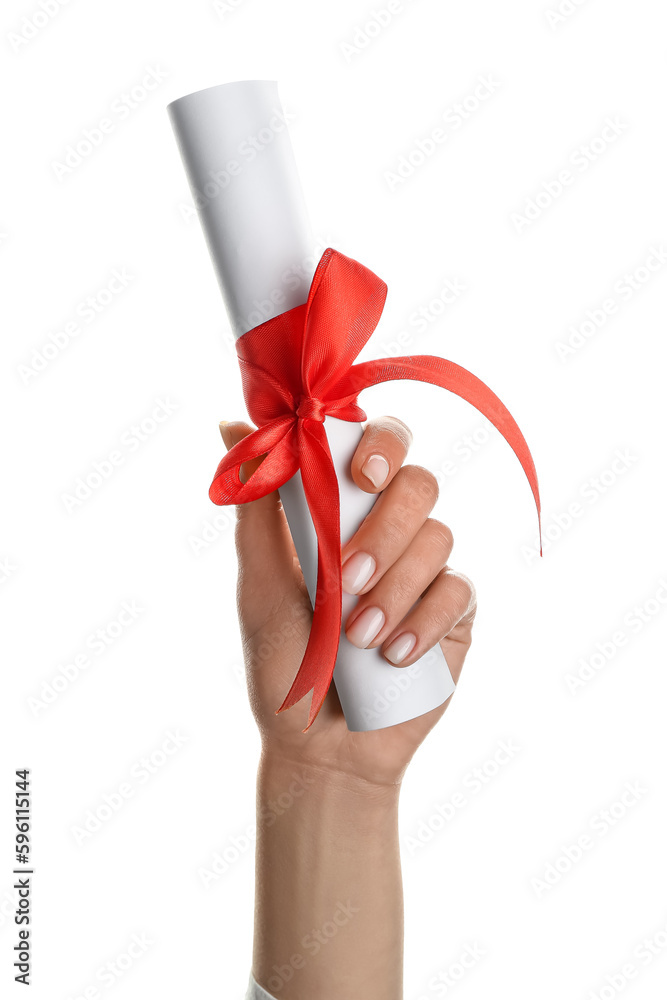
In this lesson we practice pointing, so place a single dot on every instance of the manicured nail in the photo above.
(357, 571)
(401, 647)
(376, 468)
(366, 627)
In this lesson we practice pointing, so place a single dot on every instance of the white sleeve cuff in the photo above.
(255, 991)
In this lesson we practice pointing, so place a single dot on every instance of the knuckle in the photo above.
(465, 592)
(405, 590)
(440, 620)
(393, 531)
(379, 426)
(422, 482)
(453, 601)
(401, 430)
(439, 534)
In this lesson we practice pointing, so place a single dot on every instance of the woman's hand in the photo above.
(398, 555)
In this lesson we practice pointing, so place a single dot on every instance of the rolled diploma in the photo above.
(243, 176)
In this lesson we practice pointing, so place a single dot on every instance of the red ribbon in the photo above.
(296, 369)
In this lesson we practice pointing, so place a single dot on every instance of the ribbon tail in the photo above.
(446, 374)
(320, 486)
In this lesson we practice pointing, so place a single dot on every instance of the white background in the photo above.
(165, 336)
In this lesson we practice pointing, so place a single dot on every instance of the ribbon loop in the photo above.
(297, 368)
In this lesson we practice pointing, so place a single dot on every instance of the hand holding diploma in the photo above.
(398, 555)
(301, 385)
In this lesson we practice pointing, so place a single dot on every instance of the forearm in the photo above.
(329, 898)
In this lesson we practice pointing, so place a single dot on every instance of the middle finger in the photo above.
(394, 520)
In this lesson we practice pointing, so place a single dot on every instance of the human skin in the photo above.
(328, 897)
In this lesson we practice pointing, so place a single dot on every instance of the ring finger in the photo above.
(381, 609)
(394, 520)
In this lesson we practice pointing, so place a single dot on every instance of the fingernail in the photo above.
(401, 647)
(357, 571)
(376, 468)
(366, 627)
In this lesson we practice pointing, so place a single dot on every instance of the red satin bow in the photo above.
(296, 369)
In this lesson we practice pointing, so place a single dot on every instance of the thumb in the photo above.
(231, 432)
(263, 541)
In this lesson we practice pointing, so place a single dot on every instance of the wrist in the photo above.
(282, 778)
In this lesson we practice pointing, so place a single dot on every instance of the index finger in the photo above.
(380, 453)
